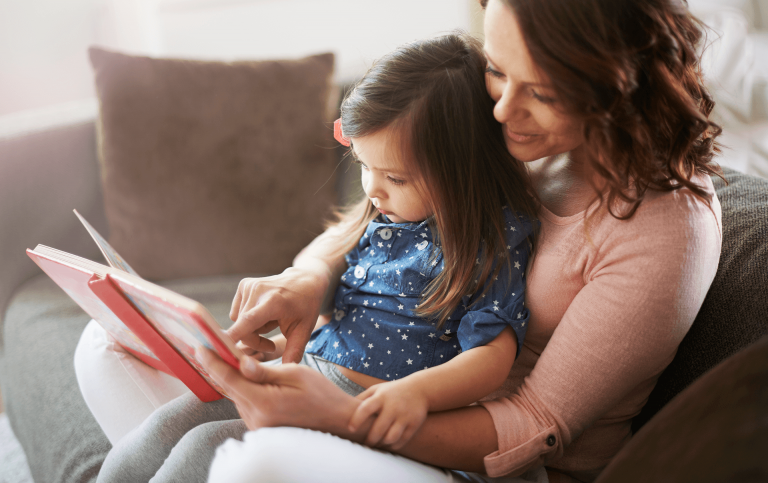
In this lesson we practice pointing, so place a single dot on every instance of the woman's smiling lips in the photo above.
(520, 138)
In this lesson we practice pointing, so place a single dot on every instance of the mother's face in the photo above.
(534, 124)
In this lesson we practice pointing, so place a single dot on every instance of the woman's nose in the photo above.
(509, 108)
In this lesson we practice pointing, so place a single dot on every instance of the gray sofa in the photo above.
(45, 174)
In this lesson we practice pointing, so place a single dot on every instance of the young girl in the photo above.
(430, 313)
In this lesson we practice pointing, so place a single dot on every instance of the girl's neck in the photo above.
(562, 183)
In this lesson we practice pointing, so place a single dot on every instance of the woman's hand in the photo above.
(291, 301)
(285, 395)
(401, 410)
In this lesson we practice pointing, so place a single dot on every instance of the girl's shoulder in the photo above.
(517, 225)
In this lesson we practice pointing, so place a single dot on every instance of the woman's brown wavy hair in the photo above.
(630, 69)
(432, 94)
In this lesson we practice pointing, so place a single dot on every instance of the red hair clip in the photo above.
(338, 134)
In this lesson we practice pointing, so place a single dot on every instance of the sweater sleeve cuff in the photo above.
(517, 453)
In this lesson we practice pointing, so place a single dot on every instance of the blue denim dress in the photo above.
(373, 329)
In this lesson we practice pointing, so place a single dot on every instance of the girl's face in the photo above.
(534, 125)
(387, 181)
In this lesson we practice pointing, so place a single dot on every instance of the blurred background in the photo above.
(43, 43)
(45, 77)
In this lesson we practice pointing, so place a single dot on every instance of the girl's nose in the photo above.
(373, 188)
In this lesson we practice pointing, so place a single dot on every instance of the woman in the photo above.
(604, 102)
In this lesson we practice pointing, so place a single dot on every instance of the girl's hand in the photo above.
(264, 351)
(291, 301)
(401, 409)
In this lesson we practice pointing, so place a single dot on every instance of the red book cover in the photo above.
(160, 327)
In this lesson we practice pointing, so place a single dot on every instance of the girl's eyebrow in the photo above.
(528, 83)
(390, 171)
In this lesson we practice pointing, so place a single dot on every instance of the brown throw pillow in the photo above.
(213, 167)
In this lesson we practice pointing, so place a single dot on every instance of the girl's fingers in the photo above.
(367, 393)
(256, 343)
(394, 433)
(379, 429)
(410, 430)
(365, 410)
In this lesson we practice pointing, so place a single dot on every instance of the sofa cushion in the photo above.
(715, 431)
(60, 437)
(735, 311)
(212, 167)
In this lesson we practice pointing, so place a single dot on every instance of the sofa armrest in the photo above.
(45, 172)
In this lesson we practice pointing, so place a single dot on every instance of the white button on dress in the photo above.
(359, 272)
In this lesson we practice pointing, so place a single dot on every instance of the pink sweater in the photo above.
(608, 310)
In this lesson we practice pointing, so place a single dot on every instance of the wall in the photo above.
(43, 63)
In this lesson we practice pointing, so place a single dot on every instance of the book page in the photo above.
(113, 258)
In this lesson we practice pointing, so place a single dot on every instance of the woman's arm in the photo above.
(292, 300)
(293, 395)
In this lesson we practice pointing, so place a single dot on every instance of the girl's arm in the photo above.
(402, 405)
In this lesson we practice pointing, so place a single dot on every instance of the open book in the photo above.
(157, 325)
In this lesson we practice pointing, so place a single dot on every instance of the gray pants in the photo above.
(178, 441)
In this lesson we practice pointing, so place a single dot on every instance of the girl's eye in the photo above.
(362, 165)
(396, 181)
(542, 99)
(494, 73)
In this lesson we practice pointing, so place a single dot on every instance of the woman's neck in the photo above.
(562, 183)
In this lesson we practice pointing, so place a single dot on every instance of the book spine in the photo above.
(114, 298)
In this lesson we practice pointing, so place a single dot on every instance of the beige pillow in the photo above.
(212, 167)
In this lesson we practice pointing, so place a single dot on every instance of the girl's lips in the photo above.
(521, 138)
(384, 212)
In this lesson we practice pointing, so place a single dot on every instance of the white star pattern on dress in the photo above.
(413, 272)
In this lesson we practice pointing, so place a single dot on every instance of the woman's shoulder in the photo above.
(679, 211)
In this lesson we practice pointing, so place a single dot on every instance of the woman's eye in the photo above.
(542, 99)
(494, 73)
(396, 181)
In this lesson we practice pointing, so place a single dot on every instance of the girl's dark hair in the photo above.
(432, 93)
(630, 69)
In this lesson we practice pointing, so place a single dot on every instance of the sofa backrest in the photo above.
(735, 310)
(44, 174)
